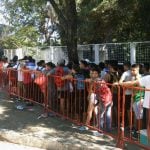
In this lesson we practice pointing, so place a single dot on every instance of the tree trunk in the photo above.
(71, 40)
(68, 27)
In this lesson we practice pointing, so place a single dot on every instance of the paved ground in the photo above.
(23, 127)
(11, 146)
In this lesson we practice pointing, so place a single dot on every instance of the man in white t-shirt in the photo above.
(126, 76)
(144, 81)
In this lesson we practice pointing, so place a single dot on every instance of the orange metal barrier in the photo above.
(74, 103)
(134, 120)
(3, 78)
(27, 85)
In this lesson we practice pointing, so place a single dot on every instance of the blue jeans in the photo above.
(105, 117)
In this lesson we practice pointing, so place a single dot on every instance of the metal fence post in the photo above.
(96, 49)
(133, 53)
(120, 138)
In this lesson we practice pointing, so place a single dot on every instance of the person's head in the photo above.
(135, 69)
(83, 64)
(92, 65)
(25, 58)
(101, 65)
(30, 58)
(146, 68)
(120, 69)
(94, 73)
(113, 67)
(49, 66)
(75, 68)
(106, 63)
(126, 66)
(61, 63)
(15, 58)
(42, 62)
(70, 65)
(39, 64)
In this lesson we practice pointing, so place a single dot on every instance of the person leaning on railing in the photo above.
(144, 81)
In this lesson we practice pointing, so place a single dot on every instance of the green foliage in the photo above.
(113, 21)
(25, 12)
(26, 17)
(98, 20)
(26, 36)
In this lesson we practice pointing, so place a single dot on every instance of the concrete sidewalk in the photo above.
(52, 133)
(11, 146)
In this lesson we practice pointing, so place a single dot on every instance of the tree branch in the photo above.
(58, 11)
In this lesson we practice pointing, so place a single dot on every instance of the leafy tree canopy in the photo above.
(98, 21)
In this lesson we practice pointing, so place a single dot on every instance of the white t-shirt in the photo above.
(126, 76)
(145, 81)
(20, 73)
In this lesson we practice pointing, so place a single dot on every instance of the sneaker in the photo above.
(135, 135)
(30, 109)
(83, 128)
(29, 104)
(50, 114)
(96, 133)
(17, 99)
(45, 115)
(20, 107)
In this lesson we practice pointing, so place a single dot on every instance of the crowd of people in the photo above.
(94, 86)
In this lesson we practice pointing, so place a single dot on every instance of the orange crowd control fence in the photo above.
(122, 118)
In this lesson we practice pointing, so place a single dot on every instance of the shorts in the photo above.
(93, 98)
(138, 109)
(128, 102)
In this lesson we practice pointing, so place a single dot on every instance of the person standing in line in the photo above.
(126, 76)
(99, 96)
(144, 81)
(145, 71)
(137, 104)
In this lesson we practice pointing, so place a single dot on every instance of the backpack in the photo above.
(80, 81)
(59, 72)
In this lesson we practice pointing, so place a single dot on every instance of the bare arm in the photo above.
(130, 83)
(107, 77)
(69, 76)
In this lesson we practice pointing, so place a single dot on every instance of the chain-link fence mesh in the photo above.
(120, 52)
(107, 51)
(143, 52)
